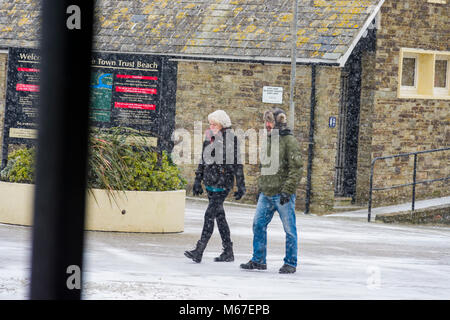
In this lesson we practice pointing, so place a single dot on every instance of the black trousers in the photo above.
(216, 212)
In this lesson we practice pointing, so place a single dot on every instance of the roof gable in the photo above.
(250, 29)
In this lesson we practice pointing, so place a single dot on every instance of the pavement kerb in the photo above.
(238, 205)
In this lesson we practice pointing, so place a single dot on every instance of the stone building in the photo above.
(371, 80)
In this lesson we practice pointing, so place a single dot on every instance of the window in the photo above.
(409, 72)
(441, 74)
(424, 74)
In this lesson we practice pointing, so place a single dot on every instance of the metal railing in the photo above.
(413, 184)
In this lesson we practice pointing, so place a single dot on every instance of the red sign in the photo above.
(128, 76)
(28, 69)
(141, 106)
(136, 90)
(27, 87)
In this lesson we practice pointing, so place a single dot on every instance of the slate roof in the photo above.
(251, 29)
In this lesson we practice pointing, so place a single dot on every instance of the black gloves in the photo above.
(239, 194)
(284, 198)
(197, 189)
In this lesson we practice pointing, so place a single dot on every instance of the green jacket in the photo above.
(287, 177)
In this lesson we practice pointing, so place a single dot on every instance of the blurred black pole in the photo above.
(59, 204)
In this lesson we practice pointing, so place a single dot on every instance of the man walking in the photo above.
(277, 193)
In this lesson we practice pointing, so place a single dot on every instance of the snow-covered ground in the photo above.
(340, 257)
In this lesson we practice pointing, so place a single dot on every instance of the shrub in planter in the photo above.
(118, 160)
(152, 172)
(20, 167)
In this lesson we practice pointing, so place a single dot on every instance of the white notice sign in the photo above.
(272, 95)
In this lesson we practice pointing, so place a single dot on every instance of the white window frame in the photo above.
(410, 89)
(424, 75)
(443, 91)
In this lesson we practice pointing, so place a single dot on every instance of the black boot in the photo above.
(227, 254)
(197, 253)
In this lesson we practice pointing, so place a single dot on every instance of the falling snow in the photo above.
(340, 257)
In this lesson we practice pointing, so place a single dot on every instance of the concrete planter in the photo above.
(135, 211)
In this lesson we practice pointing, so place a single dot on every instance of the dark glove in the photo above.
(239, 194)
(197, 189)
(284, 198)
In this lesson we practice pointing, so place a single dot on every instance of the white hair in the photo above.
(220, 117)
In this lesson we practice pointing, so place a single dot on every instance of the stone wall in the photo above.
(407, 125)
(328, 84)
(433, 215)
(237, 88)
(3, 75)
(368, 87)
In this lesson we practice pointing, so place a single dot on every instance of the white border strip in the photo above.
(343, 59)
(198, 57)
(415, 50)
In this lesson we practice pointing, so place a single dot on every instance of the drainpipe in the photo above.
(293, 65)
(311, 138)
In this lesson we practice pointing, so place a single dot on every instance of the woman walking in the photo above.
(219, 166)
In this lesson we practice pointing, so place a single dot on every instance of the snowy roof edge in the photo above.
(249, 58)
(343, 59)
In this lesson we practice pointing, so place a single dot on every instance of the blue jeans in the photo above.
(265, 209)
